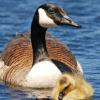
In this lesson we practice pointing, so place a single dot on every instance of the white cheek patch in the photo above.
(44, 20)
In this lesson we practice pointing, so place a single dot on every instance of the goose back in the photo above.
(18, 57)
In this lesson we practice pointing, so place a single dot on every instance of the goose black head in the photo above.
(51, 15)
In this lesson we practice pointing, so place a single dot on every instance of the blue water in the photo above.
(16, 16)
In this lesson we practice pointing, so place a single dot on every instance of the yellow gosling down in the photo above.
(71, 87)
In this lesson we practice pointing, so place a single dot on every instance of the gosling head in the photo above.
(51, 15)
(66, 81)
(65, 84)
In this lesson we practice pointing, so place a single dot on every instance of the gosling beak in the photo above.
(68, 21)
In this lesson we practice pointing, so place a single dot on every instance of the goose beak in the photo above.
(68, 21)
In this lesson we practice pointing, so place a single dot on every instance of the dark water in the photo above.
(16, 16)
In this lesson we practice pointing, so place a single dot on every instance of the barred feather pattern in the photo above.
(18, 57)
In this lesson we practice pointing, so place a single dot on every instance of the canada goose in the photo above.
(30, 61)
(72, 87)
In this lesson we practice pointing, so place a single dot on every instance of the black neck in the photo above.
(38, 41)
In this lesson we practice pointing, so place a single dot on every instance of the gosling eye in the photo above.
(51, 11)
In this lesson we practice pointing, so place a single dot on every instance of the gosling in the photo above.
(72, 87)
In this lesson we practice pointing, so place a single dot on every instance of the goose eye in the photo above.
(51, 11)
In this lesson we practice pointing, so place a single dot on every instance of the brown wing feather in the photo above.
(18, 58)
(19, 51)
